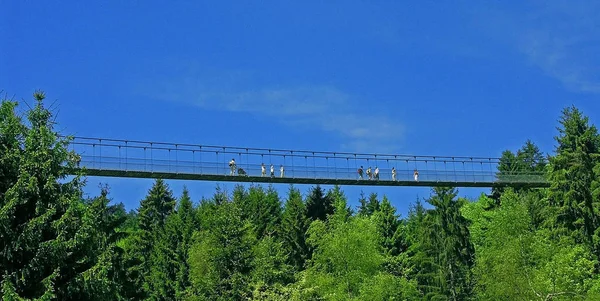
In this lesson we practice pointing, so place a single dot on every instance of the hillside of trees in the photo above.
(256, 244)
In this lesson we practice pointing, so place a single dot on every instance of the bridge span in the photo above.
(145, 159)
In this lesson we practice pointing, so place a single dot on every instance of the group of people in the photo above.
(371, 175)
(233, 167)
(375, 175)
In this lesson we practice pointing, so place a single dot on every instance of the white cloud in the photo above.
(562, 38)
(360, 126)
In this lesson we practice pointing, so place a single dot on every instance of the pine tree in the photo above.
(153, 212)
(389, 228)
(43, 222)
(574, 175)
(186, 227)
(318, 205)
(450, 238)
(527, 160)
(12, 131)
(221, 258)
(362, 209)
(294, 225)
(373, 204)
(341, 212)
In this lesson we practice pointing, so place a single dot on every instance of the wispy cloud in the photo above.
(360, 126)
(562, 38)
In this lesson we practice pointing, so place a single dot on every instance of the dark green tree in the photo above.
(12, 131)
(44, 223)
(574, 177)
(294, 225)
(170, 270)
(390, 230)
(318, 205)
(373, 204)
(362, 209)
(153, 213)
(449, 237)
(340, 203)
(528, 161)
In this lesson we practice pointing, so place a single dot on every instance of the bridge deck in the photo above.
(120, 158)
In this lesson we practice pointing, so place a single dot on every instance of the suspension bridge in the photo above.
(144, 159)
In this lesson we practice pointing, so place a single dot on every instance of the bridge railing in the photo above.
(111, 154)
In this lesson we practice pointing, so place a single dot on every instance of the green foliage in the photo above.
(294, 225)
(515, 261)
(220, 257)
(574, 180)
(442, 253)
(520, 244)
(529, 159)
(53, 245)
(344, 258)
(318, 205)
(390, 229)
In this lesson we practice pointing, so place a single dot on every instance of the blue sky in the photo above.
(451, 78)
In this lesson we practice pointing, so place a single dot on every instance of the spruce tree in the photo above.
(341, 212)
(221, 258)
(362, 209)
(153, 212)
(187, 224)
(389, 228)
(373, 204)
(43, 222)
(449, 237)
(318, 205)
(574, 177)
(12, 131)
(294, 225)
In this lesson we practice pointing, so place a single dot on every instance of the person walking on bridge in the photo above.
(272, 171)
(369, 174)
(281, 169)
(263, 170)
(360, 173)
(232, 167)
(393, 174)
(416, 175)
(376, 173)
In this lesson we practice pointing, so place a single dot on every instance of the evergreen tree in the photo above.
(450, 238)
(102, 279)
(527, 160)
(170, 270)
(373, 204)
(263, 209)
(12, 131)
(574, 175)
(153, 212)
(362, 209)
(318, 205)
(187, 224)
(220, 257)
(294, 225)
(341, 212)
(389, 228)
(43, 221)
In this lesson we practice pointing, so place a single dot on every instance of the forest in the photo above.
(255, 244)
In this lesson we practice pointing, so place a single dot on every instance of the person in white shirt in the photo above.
(369, 175)
(232, 167)
(393, 174)
(376, 173)
(281, 169)
(263, 170)
(272, 171)
(416, 174)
